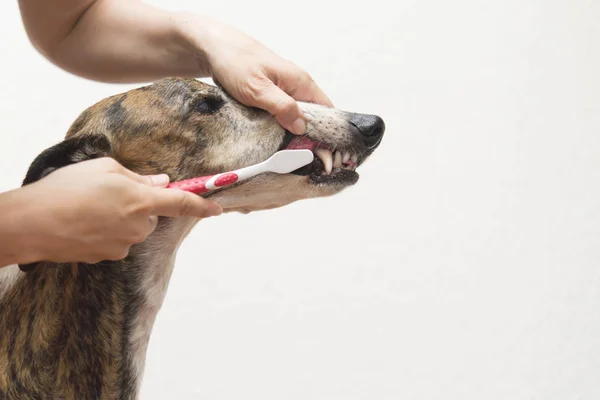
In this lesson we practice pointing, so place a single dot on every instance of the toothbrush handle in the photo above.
(203, 184)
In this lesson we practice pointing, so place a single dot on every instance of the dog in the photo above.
(80, 331)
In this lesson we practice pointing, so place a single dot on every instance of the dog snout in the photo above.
(370, 129)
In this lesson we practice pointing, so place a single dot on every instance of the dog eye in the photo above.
(207, 105)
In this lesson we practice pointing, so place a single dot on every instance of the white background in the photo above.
(466, 262)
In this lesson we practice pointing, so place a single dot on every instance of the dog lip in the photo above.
(337, 176)
(314, 174)
(305, 142)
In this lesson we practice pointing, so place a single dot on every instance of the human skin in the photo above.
(52, 219)
(97, 209)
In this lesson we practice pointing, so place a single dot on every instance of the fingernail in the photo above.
(161, 180)
(299, 126)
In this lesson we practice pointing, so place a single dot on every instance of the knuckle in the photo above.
(144, 206)
(92, 260)
(184, 205)
(111, 256)
(254, 87)
(115, 186)
(308, 79)
(124, 253)
(139, 201)
(286, 105)
(153, 220)
(119, 253)
(138, 236)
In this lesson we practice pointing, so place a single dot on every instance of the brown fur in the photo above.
(79, 331)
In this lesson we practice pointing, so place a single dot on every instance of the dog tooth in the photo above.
(354, 158)
(337, 159)
(327, 158)
(346, 157)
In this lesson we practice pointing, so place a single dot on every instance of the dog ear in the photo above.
(67, 152)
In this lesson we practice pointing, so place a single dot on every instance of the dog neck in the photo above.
(90, 323)
(156, 256)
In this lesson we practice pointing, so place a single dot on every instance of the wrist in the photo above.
(199, 35)
(19, 233)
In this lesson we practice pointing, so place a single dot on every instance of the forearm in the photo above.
(17, 240)
(113, 40)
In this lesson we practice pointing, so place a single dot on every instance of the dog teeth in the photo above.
(337, 160)
(327, 158)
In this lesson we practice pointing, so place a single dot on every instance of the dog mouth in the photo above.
(330, 165)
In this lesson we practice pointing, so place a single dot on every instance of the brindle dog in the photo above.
(80, 331)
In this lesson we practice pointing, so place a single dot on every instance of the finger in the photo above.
(176, 203)
(298, 84)
(111, 251)
(152, 222)
(312, 93)
(160, 180)
(117, 253)
(142, 230)
(266, 95)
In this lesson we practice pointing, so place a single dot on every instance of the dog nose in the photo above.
(371, 128)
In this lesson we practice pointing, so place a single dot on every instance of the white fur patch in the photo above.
(9, 275)
(157, 255)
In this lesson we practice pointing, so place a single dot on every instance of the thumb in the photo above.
(177, 203)
(283, 107)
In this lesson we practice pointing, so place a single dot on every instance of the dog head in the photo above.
(186, 128)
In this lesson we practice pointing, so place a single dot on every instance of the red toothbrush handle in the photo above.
(194, 185)
(203, 184)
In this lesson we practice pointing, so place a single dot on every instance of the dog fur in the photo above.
(80, 331)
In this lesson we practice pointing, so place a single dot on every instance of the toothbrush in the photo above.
(282, 162)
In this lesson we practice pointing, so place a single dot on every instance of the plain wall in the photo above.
(465, 264)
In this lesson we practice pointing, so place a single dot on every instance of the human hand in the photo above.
(131, 41)
(251, 73)
(96, 210)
